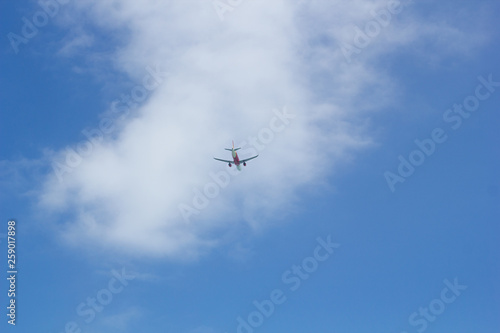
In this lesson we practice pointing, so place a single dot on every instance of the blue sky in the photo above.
(119, 202)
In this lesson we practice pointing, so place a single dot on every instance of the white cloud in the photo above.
(77, 43)
(225, 78)
(120, 321)
(203, 329)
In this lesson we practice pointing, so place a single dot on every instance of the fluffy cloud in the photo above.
(226, 80)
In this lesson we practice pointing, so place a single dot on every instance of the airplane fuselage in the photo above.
(236, 159)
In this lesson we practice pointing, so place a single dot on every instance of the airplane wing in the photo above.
(248, 159)
(218, 159)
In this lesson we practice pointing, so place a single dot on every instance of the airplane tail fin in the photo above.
(235, 149)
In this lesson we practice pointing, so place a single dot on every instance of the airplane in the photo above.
(236, 160)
